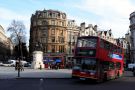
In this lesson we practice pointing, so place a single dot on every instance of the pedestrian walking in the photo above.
(17, 65)
(21, 66)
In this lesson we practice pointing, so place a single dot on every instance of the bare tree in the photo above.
(17, 32)
(18, 36)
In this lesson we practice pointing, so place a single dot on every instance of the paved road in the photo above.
(127, 82)
(124, 83)
(9, 73)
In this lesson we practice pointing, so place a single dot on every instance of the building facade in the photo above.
(88, 31)
(6, 45)
(107, 35)
(128, 53)
(94, 31)
(132, 30)
(72, 34)
(122, 42)
(48, 33)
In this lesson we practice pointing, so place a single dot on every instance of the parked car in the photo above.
(133, 71)
(6, 64)
(12, 62)
(24, 62)
(1, 63)
(27, 65)
(9, 63)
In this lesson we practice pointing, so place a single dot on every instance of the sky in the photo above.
(106, 14)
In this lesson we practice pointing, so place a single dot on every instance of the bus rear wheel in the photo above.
(100, 80)
(105, 77)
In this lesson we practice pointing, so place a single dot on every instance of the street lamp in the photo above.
(20, 56)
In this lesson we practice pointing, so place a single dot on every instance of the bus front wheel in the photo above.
(105, 76)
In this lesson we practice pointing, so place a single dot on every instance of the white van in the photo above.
(24, 62)
(131, 66)
(13, 62)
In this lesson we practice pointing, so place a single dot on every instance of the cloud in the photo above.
(114, 14)
(35, 1)
(107, 7)
(8, 15)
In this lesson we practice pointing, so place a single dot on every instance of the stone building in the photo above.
(6, 45)
(94, 31)
(48, 33)
(88, 31)
(128, 52)
(107, 35)
(124, 44)
(72, 34)
(132, 30)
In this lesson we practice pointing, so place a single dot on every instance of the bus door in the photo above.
(100, 70)
(109, 69)
(88, 66)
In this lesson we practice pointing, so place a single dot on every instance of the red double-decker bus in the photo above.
(98, 59)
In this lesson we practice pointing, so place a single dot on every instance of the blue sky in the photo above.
(107, 14)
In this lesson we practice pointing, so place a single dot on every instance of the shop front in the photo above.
(54, 61)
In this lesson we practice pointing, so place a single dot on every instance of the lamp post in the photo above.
(20, 56)
(20, 53)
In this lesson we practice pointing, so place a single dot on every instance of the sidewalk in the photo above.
(10, 73)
